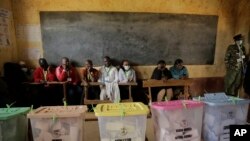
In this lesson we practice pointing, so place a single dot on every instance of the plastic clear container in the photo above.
(220, 111)
(58, 123)
(13, 124)
(177, 120)
(122, 121)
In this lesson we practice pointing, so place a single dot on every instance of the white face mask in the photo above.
(126, 67)
(25, 69)
(239, 42)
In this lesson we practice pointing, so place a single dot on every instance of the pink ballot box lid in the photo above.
(176, 104)
(58, 111)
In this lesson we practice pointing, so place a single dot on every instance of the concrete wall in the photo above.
(8, 53)
(242, 21)
(26, 16)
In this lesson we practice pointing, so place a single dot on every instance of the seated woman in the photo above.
(126, 74)
(162, 73)
(178, 71)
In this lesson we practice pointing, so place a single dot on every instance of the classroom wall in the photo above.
(242, 24)
(27, 24)
(8, 53)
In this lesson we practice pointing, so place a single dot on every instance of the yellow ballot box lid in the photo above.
(121, 109)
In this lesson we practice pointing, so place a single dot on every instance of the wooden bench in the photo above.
(172, 82)
(96, 101)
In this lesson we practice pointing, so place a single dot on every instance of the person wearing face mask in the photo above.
(126, 73)
(234, 62)
(26, 71)
(44, 73)
(66, 72)
(162, 73)
(109, 76)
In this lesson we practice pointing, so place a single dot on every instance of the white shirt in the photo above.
(127, 75)
(108, 74)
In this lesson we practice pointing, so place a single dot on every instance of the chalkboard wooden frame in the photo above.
(142, 38)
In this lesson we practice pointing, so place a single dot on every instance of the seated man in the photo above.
(44, 73)
(109, 76)
(178, 71)
(162, 73)
(66, 72)
(90, 74)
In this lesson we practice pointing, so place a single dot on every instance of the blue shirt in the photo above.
(179, 73)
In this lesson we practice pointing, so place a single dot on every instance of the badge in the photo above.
(69, 79)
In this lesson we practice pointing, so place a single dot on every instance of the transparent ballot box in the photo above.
(179, 120)
(221, 111)
(13, 124)
(58, 123)
(122, 121)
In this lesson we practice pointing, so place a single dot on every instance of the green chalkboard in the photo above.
(142, 38)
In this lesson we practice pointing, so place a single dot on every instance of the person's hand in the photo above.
(85, 83)
(164, 79)
(102, 86)
(42, 81)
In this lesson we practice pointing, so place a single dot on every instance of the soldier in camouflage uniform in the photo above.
(234, 61)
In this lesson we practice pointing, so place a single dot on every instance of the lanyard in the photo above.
(107, 70)
(90, 77)
(45, 75)
(127, 73)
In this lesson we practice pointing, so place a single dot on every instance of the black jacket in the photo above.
(159, 74)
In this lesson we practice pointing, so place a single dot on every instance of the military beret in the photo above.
(238, 37)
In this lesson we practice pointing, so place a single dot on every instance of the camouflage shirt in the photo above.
(233, 53)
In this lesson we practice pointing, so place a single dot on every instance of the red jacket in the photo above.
(62, 75)
(39, 74)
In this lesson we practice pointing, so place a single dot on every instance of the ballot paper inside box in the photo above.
(220, 111)
(13, 124)
(177, 120)
(58, 123)
(122, 121)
